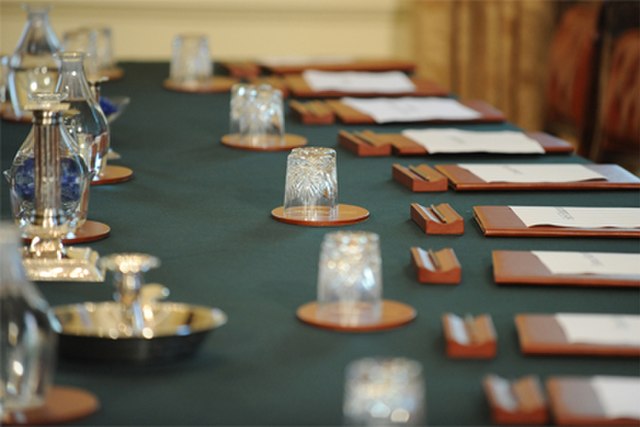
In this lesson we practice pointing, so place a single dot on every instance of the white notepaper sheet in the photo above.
(465, 141)
(274, 61)
(408, 109)
(359, 81)
(604, 329)
(618, 396)
(532, 173)
(615, 264)
(626, 218)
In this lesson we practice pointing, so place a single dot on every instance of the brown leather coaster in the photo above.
(394, 315)
(347, 214)
(6, 112)
(113, 73)
(62, 405)
(90, 231)
(114, 175)
(214, 85)
(290, 141)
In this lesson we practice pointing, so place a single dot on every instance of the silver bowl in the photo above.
(100, 331)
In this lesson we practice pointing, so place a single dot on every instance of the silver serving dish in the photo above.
(136, 327)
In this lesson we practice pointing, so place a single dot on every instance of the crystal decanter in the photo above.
(33, 67)
(49, 184)
(74, 174)
(27, 333)
(86, 122)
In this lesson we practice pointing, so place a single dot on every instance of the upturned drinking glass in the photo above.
(4, 78)
(384, 392)
(84, 40)
(87, 124)
(33, 67)
(69, 172)
(311, 186)
(191, 60)
(27, 332)
(350, 279)
(240, 93)
(262, 117)
(104, 45)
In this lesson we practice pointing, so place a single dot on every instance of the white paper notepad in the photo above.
(603, 329)
(616, 264)
(407, 109)
(619, 397)
(464, 141)
(359, 81)
(274, 61)
(578, 217)
(532, 173)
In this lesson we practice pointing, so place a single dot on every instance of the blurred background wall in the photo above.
(237, 29)
(537, 61)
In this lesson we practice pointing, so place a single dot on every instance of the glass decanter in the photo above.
(33, 67)
(87, 124)
(27, 332)
(70, 172)
(48, 182)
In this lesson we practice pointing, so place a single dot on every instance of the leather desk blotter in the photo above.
(502, 221)
(523, 267)
(575, 401)
(373, 65)
(368, 143)
(542, 334)
(616, 178)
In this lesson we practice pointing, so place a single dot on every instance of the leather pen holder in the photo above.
(469, 338)
(520, 401)
(421, 178)
(436, 267)
(364, 144)
(437, 219)
(313, 112)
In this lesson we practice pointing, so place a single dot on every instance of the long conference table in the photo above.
(204, 210)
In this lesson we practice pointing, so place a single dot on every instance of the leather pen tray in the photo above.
(616, 178)
(502, 221)
(368, 143)
(524, 268)
(541, 334)
(300, 89)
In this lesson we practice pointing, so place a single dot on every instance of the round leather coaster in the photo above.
(347, 214)
(90, 231)
(113, 73)
(114, 175)
(394, 315)
(6, 112)
(62, 405)
(290, 141)
(214, 85)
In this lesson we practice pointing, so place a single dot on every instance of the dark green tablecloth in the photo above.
(204, 210)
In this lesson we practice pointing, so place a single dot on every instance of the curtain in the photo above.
(494, 50)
